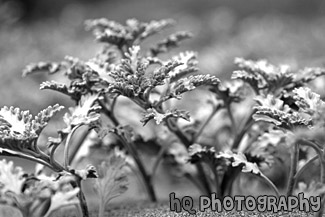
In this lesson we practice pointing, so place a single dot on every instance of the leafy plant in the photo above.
(284, 112)
(19, 138)
(122, 69)
(37, 194)
(112, 181)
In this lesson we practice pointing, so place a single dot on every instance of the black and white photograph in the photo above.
(162, 108)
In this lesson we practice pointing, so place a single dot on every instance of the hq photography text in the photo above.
(261, 203)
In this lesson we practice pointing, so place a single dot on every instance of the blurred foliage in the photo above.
(289, 32)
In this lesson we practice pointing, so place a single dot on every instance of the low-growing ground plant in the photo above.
(264, 113)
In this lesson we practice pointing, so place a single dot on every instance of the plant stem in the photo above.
(79, 144)
(158, 160)
(194, 181)
(101, 211)
(293, 169)
(321, 155)
(146, 178)
(81, 197)
(216, 180)
(187, 143)
(66, 147)
(109, 113)
(270, 183)
(239, 137)
(232, 119)
(322, 195)
(304, 167)
(36, 160)
(197, 135)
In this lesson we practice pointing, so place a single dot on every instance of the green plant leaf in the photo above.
(273, 110)
(114, 33)
(192, 82)
(160, 117)
(51, 67)
(43, 117)
(240, 160)
(187, 64)
(85, 113)
(229, 92)
(11, 178)
(112, 180)
(308, 101)
(19, 131)
(170, 42)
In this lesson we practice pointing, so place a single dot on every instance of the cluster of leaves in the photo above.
(37, 194)
(285, 113)
(112, 181)
(122, 68)
(283, 108)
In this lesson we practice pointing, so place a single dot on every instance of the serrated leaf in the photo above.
(85, 113)
(188, 64)
(240, 160)
(11, 178)
(192, 82)
(63, 198)
(43, 117)
(51, 67)
(274, 111)
(263, 76)
(160, 117)
(124, 35)
(170, 42)
(62, 88)
(19, 131)
(229, 92)
(253, 80)
(308, 101)
(281, 119)
(15, 123)
(112, 180)
(200, 153)
(307, 75)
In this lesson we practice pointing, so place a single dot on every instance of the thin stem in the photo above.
(199, 132)
(194, 181)
(66, 147)
(146, 177)
(27, 157)
(81, 197)
(232, 119)
(108, 113)
(321, 154)
(312, 145)
(187, 143)
(246, 127)
(79, 144)
(293, 169)
(158, 160)
(304, 167)
(322, 195)
(270, 184)
(216, 181)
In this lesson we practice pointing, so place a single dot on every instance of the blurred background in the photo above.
(284, 32)
(288, 32)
